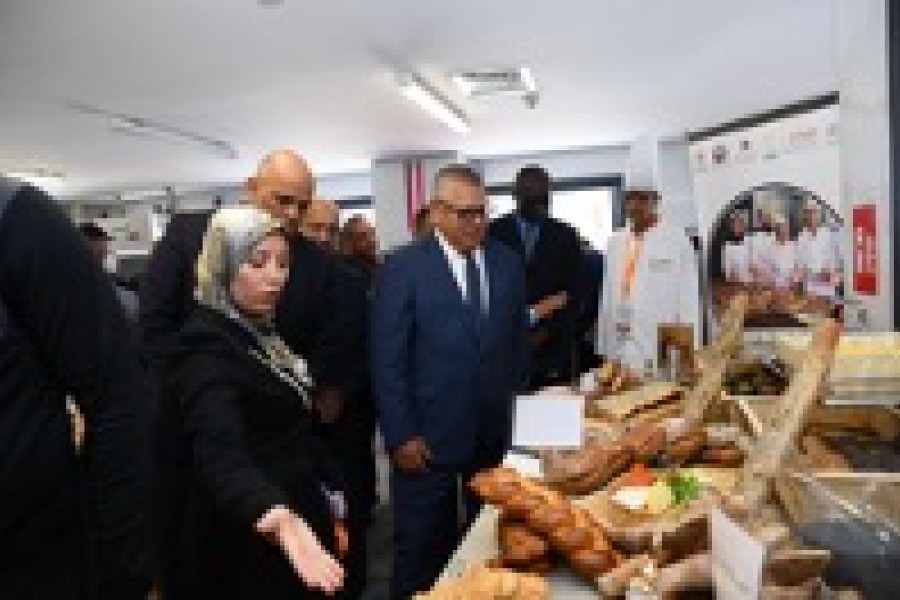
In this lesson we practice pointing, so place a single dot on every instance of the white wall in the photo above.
(865, 140)
(676, 186)
(600, 160)
(389, 193)
(350, 185)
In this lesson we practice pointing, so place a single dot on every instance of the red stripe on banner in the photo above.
(420, 185)
(408, 181)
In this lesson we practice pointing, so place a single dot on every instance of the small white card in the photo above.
(737, 559)
(549, 420)
(527, 466)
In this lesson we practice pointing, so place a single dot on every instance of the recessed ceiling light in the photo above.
(487, 82)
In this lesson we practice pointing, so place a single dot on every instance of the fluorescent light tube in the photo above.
(528, 79)
(428, 99)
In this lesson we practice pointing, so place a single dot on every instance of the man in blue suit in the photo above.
(448, 353)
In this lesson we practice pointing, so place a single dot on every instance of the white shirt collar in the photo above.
(457, 263)
(454, 255)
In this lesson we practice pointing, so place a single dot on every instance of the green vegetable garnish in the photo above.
(685, 487)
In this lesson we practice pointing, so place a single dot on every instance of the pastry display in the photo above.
(520, 548)
(756, 378)
(687, 447)
(486, 583)
(645, 441)
(586, 470)
(646, 485)
(613, 378)
(622, 406)
(569, 530)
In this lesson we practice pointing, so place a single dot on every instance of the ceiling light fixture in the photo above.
(494, 82)
(140, 127)
(417, 90)
(41, 178)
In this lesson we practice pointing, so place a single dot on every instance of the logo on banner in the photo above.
(832, 134)
(701, 164)
(720, 154)
(746, 152)
(802, 139)
(865, 250)
(769, 146)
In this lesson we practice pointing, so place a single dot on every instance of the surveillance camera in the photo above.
(531, 99)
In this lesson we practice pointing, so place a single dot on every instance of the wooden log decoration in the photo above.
(713, 361)
(731, 328)
(773, 444)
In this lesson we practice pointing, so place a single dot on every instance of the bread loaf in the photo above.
(486, 583)
(689, 446)
(645, 441)
(569, 530)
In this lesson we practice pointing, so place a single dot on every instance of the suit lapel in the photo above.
(494, 280)
(443, 273)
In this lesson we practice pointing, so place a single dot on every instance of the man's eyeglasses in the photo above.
(469, 213)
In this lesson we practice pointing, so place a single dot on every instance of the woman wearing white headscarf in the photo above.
(260, 516)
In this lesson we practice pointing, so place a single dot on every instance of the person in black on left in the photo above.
(264, 505)
(72, 525)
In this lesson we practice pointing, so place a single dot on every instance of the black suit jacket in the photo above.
(306, 313)
(555, 266)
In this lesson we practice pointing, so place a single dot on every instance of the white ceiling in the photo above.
(315, 76)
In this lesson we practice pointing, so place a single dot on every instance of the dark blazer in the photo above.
(555, 266)
(305, 315)
(591, 281)
(62, 332)
(434, 374)
(248, 444)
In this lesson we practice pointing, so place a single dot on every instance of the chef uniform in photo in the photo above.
(819, 257)
(760, 256)
(736, 262)
(652, 280)
(784, 264)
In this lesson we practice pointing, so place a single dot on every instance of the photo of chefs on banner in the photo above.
(782, 244)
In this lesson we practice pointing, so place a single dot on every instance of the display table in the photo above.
(480, 545)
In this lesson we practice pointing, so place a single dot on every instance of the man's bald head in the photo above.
(320, 223)
(282, 186)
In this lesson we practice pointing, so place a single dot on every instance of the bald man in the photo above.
(282, 185)
(321, 224)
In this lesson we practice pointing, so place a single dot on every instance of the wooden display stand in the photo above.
(778, 435)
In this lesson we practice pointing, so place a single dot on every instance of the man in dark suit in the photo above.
(350, 437)
(590, 282)
(550, 252)
(448, 355)
(307, 318)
